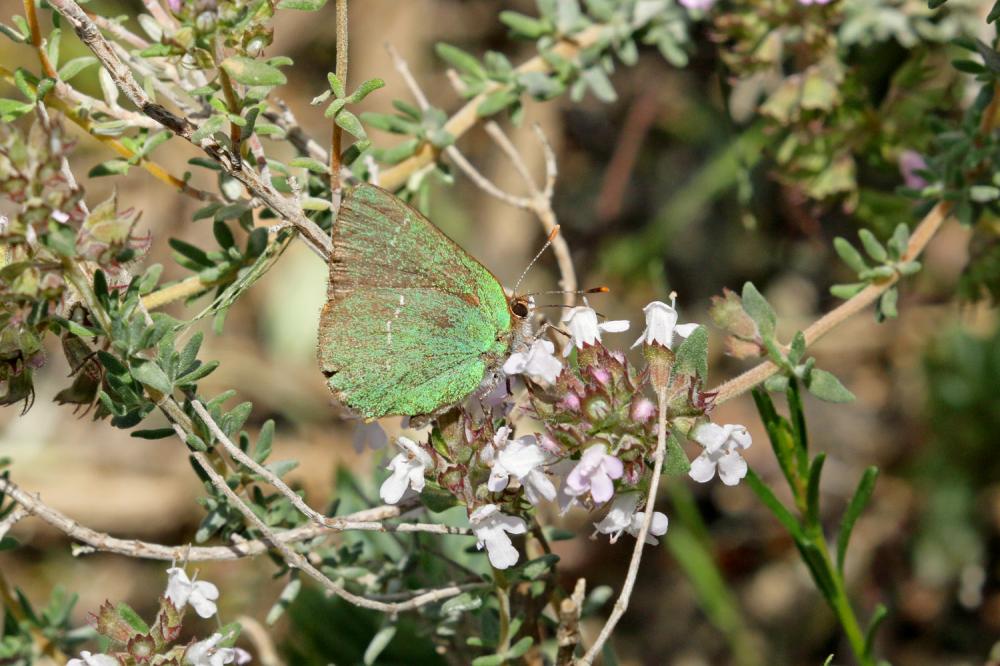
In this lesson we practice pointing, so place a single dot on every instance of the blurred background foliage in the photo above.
(784, 129)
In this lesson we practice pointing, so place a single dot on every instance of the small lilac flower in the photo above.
(175, 5)
(407, 471)
(200, 594)
(88, 659)
(910, 162)
(206, 653)
(522, 458)
(539, 363)
(369, 435)
(700, 5)
(491, 527)
(722, 450)
(584, 328)
(594, 474)
(662, 326)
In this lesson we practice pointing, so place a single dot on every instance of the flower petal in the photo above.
(601, 487)
(702, 468)
(615, 325)
(732, 468)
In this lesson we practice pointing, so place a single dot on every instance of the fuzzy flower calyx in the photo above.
(491, 528)
(722, 452)
(407, 471)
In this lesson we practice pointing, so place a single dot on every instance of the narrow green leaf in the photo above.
(461, 60)
(881, 612)
(350, 124)
(846, 291)
(302, 5)
(524, 26)
(774, 505)
(496, 102)
(859, 501)
(849, 254)
(75, 66)
(812, 493)
(153, 433)
(887, 303)
(816, 564)
(520, 648)
(676, 462)
(365, 89)
(309, 163)
(264, 439)
(380, 641)
(873, 247)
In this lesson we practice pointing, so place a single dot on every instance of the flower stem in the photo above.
(502, 587)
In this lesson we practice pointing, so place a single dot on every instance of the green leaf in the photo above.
(380, 641)
(540, 566)
(873, 626)
(520, 648)
(153, 433)
(285, 599)
(825, 386)
(887, 303)
(350, 124)
(302, 5)
(813, 558)
(812, 493)
(675, 461)
(131, 618)
(597, 80)
(490, 660)
(8, 543)
(862, 494)
(774, 505)
(75, 66)
(779, 433)
(152, 375)
(849, 254)
(461, 60)
(496, 102)
(873, 247)
(759, 310)
(524, 26)
(846, 291)
(264, 439)
(692, 355)
(463, 603)
(797, 348)
(309, 163)
(11, 109)
(252, 72)
(365, 89)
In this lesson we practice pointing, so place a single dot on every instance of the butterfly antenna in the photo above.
(580, 292)
(548, 242)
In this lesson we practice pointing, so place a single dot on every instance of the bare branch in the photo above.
(338, 524)
(286, 208)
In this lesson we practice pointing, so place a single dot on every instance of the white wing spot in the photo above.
(395, 316)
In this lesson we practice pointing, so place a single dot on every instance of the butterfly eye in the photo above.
(519, 309)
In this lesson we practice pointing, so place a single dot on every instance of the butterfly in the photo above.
(412, 323)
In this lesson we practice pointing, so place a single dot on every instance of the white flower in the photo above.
(585, 329)
(656, 528)
(205, 653)
(200, 594)
(538, 362)
(371, 435)
(619, 516)
(623, 517)
(564, 497)
(491, 528)
(661, 324)
(407, 471)
(88, 659)
(701, 5)
(722, 450)
(521, 458)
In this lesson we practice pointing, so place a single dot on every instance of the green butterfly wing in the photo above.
(412, 322)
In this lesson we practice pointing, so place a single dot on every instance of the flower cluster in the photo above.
(598, 435)
(130, 645)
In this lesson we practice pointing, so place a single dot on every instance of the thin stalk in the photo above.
(337, 134)
(502, 588)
